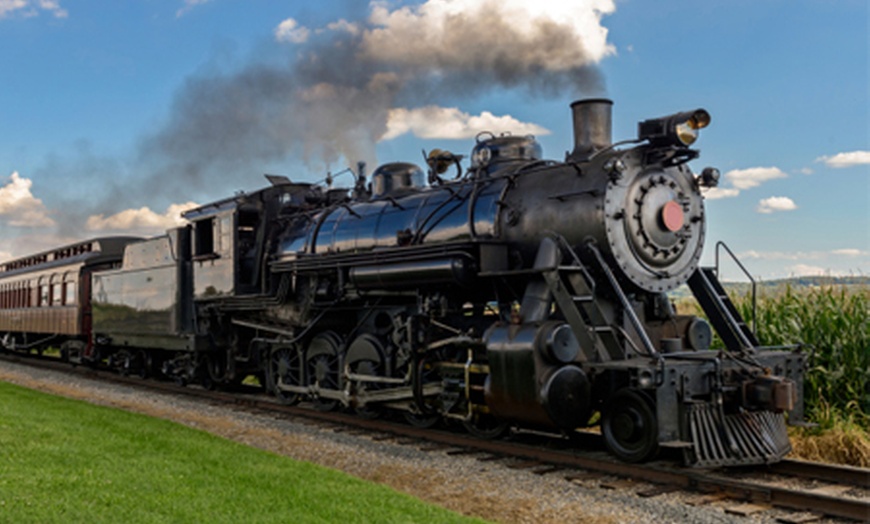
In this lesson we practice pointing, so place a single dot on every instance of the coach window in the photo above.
(43, 292)
(4, 301)
(69, 289)
(56, 290)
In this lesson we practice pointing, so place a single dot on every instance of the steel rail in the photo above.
(840, 474)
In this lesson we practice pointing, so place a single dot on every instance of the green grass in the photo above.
(67, 461)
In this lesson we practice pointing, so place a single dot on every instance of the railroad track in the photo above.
(809, 489)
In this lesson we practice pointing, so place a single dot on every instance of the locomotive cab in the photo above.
(231, 238)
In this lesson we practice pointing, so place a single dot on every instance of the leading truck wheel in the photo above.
(629, 426)
(486, 427)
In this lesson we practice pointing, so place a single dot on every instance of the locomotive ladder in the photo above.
(719, 308)
(574, 290)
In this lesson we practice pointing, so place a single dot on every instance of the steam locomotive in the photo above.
(519, 292)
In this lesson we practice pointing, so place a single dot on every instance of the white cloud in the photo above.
(510, 35)
(715, 193)
(781, 264)
(805, 270)
(35, 241)
(778, 255)
(30, 8)
(849, 159)
(850, 252)
(141, 220)
(53, 6)
(435, 122)
(775, 203)
(290, 31)
(10, 6)
(741, 179)
(346, 27)
(803, 255)
(20, 206)
(753, 177)
(188, 5)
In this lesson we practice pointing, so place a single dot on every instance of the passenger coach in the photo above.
(45, 298)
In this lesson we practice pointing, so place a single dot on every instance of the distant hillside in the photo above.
(795, 283)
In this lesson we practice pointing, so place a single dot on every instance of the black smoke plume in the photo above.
(328, 105)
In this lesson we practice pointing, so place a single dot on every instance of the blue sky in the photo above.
(114, 116)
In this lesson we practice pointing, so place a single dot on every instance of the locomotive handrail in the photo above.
(629, 311)
(745, 272)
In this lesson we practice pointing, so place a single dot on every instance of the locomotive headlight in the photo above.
(680, 129)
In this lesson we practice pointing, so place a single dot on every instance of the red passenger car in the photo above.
(45, 299)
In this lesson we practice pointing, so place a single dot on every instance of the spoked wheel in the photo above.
(215, 371)
(629, 426)
(145, 362)
(125, 362)
(419, 420)
(136, 364)
(486, 427)
(426, 415)
(285, 369)
(371, 368)
(323, 366)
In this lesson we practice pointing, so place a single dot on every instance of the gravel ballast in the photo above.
(490, 490)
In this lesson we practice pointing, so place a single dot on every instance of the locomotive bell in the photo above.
(505, 148)
(397, 176)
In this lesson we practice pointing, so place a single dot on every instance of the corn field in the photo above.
(834, 325)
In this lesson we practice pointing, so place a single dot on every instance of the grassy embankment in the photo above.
(67, 461)
(834, 324)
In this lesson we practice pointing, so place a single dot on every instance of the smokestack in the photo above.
(592, 127)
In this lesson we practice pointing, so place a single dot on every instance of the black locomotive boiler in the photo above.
(519, 292)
